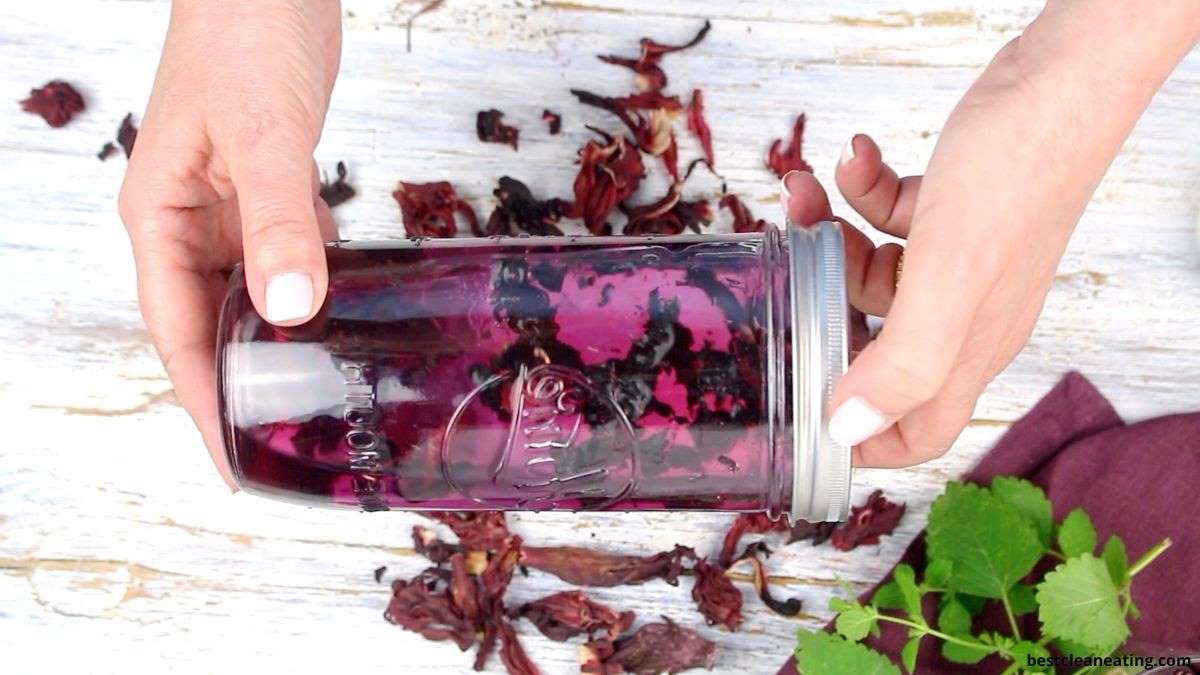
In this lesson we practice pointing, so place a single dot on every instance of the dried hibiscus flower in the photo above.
(699, 126)
(743, 220)
(649, 117)
(553, 121)
(586, 567)
(762, 583)
(648, 76)
(759, 523)
(518, 207)
(564, 615)
(127, 135)
(654, 648)
(718, 599)
(426, 543)
(423, 607)
(428, 209)
(337, 191)
(669, 215)
(608, 174)
(868, 522)
(56, 101)
(490, 130)
(789, 158)
(476, 530)
(512, 653)
(107, 151)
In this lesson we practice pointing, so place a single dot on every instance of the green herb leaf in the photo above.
(1115, 559)
(1076, 534)
(856, 622)
(820, 653)
(972, 603)
(954, 619)
(1028, 500)
(906, 580)
(963, 654)
(937, 573)
(1022, 600)
(1078, 601)
(1071, 648)
(1023, 650)
(908, 655)
(888, 596)
(989, 543)
(840, 604)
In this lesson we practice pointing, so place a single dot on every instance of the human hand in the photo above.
(222, 170)
(986, 226)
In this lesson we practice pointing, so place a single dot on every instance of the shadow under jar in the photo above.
(536, 373)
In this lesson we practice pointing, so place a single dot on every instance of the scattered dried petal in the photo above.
(790, 158)
(587, 567)
(648, 75)
(818, 533)
(518, 207)
(512, 653)
(426, 543)
(868, 522)
(56, 101)
(718, 599)
(652, 129)
(419, 606)
(608, 174)
(464, 592)
(338, 191)
(490, 130)
(743, 220)
(669, 215)
(564, 615)
(379, 572)
(428, 209)
(127, 135)
(107, 151)
(747, 523)
(699, 126)
(762, 583)
(654, 648)
(553, 121)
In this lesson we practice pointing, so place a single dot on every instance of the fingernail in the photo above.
(289, 296)
(785, 195)
(847, 152)
(855, 421)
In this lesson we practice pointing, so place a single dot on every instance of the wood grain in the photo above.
(119, 550)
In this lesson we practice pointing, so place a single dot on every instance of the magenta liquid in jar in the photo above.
(566, 373)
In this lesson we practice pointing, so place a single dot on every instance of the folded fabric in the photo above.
(1138, 481)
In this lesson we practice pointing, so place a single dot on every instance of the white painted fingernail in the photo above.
(855, 421)
(847, 151)
(289, 296)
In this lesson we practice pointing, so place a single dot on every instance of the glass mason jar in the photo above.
(533, 373)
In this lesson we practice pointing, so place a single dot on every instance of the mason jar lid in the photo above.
(820, 334)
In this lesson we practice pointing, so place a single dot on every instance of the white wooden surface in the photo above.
(119, 549)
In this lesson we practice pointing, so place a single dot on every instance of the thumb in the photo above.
(916, 351)
(285, 258)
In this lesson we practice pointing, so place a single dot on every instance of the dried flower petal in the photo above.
(747, 523)
(654, 648)
(127, 135)
(564, 615)
(651, 130)
(762, 583)
(56, 101)
(818, 533)
(648, 75)
(790, 158)
(608, 174)
(338, 191)
(478, 530)
(699, 126)
(464, 591)
(379, 572)
(107, 151)
(428, 209)
(418, 606)
(868, 522)
(490, 130)
(553, 121)
(427, 544)
(668, 215)
(518, 207)
(587, 567)
(718, 599)
(512, 653)
(743, 220)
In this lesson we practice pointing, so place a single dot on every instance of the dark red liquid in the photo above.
(622, 374)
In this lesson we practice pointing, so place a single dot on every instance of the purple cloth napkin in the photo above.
(1135, 480)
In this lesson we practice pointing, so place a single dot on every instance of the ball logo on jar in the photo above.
(566, 445)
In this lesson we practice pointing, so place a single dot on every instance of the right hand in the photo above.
(222, 171)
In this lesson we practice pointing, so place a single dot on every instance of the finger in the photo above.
(180, 305)
(873, 189)
(286, 272)
(804, 200)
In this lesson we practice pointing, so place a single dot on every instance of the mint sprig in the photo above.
(982, 546)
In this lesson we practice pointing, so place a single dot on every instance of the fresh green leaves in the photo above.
(1079, 601)
(989, 543)
(821, 653)
(982, 546)
(1076, 534)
